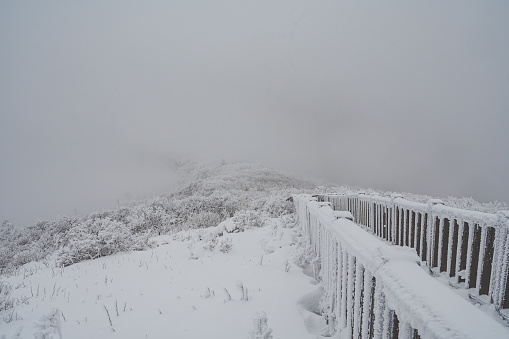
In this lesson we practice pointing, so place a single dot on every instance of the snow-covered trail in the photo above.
(177, 290)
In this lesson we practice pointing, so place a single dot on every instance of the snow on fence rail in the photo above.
(375, 290)
(471, 247)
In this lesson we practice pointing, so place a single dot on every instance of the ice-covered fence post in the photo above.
(360, 210)
(372, 214)
(480, 260)
(359, 275)
(394, 230)
(470, 243)
(377, 219)
(422, 236)
(500, 272)
(300, 203)
(431, 236)
(440, 243)
(459, 251)
(367, 308)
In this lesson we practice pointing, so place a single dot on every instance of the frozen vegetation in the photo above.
(202, 283)
(221, 257)
(209, 194)
(207, 261)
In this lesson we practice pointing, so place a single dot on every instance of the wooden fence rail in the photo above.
(472, 248)
(377, 290)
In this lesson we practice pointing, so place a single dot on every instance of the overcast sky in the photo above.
(395, 95)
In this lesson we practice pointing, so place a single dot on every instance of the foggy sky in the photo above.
(96, 96)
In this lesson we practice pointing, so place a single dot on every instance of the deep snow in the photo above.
(177, 290)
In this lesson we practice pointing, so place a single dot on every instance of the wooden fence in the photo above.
(377, 290)
(471, 248)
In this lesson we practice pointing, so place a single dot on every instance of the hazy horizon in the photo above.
(95, 97)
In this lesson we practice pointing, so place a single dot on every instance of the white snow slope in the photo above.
(177, 290)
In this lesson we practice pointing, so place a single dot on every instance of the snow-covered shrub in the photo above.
(83, 248)
(249, 219)
(28, 253)
(211, 244)
(303, 256)
(204, 219)
(226, 245)
(277, 205)
(288, 220)
(99, 237)
(155, 216)
(9, 234)
(6, 302)
(261, 328)
(114, 237)
(49, 326)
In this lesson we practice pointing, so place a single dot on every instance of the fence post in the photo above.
(359, 204)
(393, 217)
(431, 236)
(500, 271)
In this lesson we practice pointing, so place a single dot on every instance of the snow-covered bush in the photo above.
(211, 243)
(210, 194)
(303, 256)
(6, 302)
(96, 238)
(49, 326)
(155, 216)
(83, 248)
(204, 219)
(261, 328)
(277, 205)
(226, 245)
(114, 237)
(249, 219)
(28, 253)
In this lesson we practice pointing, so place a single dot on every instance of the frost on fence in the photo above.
(469, 247)
(378, 290)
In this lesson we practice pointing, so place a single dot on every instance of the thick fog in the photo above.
(97, 96)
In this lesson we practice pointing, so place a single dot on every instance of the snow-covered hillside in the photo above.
(194, 284)
(209, 193)
(162, 267)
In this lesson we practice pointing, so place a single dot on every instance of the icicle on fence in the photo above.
(471, 247)
(375, 290)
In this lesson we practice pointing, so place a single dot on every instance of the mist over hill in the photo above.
(208, 194)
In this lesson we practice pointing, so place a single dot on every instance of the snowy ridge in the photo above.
(377, 290)
(470, 248)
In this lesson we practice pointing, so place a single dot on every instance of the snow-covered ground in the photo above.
(180, 289)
